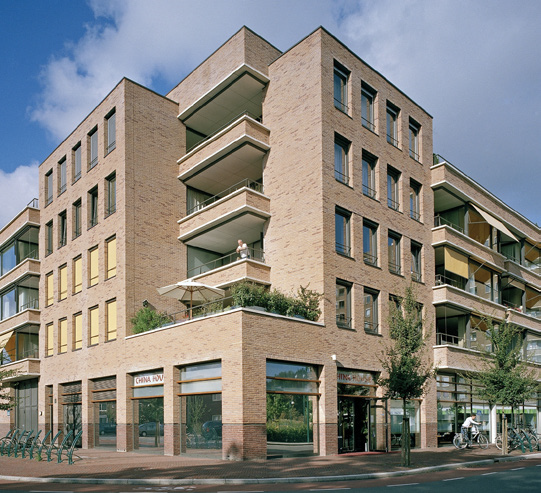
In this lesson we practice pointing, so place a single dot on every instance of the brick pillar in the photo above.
(124, 413)
(171, 410)
(328, 410)
(87, 414)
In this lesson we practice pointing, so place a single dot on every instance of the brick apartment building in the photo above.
(325, 170)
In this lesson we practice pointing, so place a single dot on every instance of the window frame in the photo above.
(414, 137)
(77, 208)
(93, 207)
(393, 188)
(110, 122)
(368, 103)
(49, 340)
(63, 336)
(369, 163)
(93, 148)
(49, 238)
(416, 250)
(392, 118)
(110, 272)
(49, 187)
(94, 331)
(415, 200)
(77, 274)
(394, 252)
(344, 321)
(77, 331)
(370, 243)
(76, 159)
(108, 315)
(371, 323)
(342, 148)
(63, 229)
(110, 191)
(63, 282)
(93, 266)
(62, 175)
(341, 82)
(345, 216)
(49, 289)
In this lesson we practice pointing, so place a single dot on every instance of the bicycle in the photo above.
(514, 439)
(461, 442)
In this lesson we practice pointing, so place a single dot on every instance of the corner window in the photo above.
(371, 323)
(369, 175)
(48, 187)
(393, 190)
(341, 158)
(62, 170)
(368, 98)
(93, 326)
(393, 243)
(76, 160)
(370, 243)
(343, 304)
(341, 76)
(93, 148)
(110, 186)
(93, 207)
(342, 232)
(416, 266)
(392, 124)
(415, 200)
(414, 129)
(110, 123)
(62, 229)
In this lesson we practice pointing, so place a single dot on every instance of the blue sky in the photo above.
(474, 65)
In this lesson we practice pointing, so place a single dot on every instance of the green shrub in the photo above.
(249, 294)
(147, 319)
(288, 431)
(278, 302)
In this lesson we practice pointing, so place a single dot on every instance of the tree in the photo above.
(504, 376)
(406, 369)
(6, 400)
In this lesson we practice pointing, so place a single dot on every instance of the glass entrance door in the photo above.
(353, 425)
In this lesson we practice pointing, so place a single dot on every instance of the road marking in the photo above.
(329, 489)
(489, 473)
(252, 491)
(404, 484)
(517, 468)
(453, 479)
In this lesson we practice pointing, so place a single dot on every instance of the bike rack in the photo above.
(14, 440)
(62, 445)
(4, 440)
(22, 442)
(34, 441)
(42, 444)
(71, 449)
(49, 450)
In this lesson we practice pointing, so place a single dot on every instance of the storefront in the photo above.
(104, 410)
(148, 410)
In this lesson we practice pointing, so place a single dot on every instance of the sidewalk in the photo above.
(104, 466)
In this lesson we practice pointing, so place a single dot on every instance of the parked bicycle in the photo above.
(460, 441)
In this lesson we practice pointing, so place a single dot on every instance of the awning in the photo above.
(456, 263)
(495, 223)
(4, 339)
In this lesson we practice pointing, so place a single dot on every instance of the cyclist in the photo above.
(470, 421)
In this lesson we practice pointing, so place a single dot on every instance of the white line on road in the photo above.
(453, 479)
(518, 468)
(252, 491)
(404, 484)
(329, 489)
(489, 473)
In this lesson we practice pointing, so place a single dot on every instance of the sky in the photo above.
(474, 65)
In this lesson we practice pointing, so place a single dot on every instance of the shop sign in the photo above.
(355, 377)
(148, 379)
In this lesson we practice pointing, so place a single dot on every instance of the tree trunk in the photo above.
(406, 439)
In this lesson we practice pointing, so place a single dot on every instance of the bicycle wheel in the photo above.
(482, 440)
(499, 441)
(459, 441)
(534, 441)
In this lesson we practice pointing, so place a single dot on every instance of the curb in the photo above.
(240, 481)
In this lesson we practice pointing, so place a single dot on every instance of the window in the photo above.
(77, 275)
(110, 268)
(110, 123)
(110, 183)
(341, 231)
(94, 328)
(416, 266)
(369, 175)
(63, 336)
(393, 243)
(343, 304)
(78, 331)
(341, 76)
(49, 286)
(62, 229)
(77, 225)
(63, 282)
(48, 187)
(392, 124)
(415, 203)
(368, 97)
(8, 302)
(94, 268)
(76, 159)
(341, 165)
(371, 311)
(93, 207)
(393, 193)
(93, 148)
(62, 169)
(415, 129)
(111, 320)
(49, 237)
(370, 244)
(50, 339)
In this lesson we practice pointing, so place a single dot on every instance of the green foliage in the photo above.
(288, 431)
(505, 377)
(305, 304)
(196, 412)
(6, 401)
(148, 319)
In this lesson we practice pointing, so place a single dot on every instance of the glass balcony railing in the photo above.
(7, 357)
(440, 221)
(254, 254)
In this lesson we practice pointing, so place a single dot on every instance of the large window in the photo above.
(368, 97)
(93, 326)
(76, 160)
(110, 184)
(24, 246)
(393, 189)
(63, 335)
(110, 268)
(93, 207)
(369, 175)
(49, 287)
(93, 270)
(343, 304)
(370, 243)
(341, 157)
(415, 202)
(111, 321)
(414, 130)
(77, 331)
(9, 303)
(77, 225)
(63, 279)
(62, 229)
(393, 242)
(48, 187)
(416, 265)
(62, 174)
(341, 76)
(110, 122)
(341, 231)
(371, 323)
(392, 124)
(93, 148)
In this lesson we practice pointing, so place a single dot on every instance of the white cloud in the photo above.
(18, 189)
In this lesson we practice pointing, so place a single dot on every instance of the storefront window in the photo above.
(104, 398)
(148, 410)
(397, 413)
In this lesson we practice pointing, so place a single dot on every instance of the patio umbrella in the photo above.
(192, 291)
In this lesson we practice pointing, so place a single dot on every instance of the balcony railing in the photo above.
(394, 268)
(440, 221)
(370, 259)
(368, 124)
(226, 260)
(371, 327)
(441, 280)
(343, 249)
(7, 357)
(253, 185)
(446, 339)
(343, 321)
(415, 215)
(31, 305)
(33, 203)
(416, 276)
(369, 192)
(341, 177)
(393, 204)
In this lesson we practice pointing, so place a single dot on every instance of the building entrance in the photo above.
(353, 425)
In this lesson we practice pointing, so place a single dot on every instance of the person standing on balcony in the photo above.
(243, 250)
